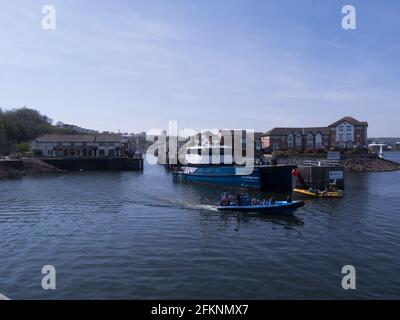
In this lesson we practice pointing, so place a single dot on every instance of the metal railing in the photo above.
(309, 162)
(321, 163)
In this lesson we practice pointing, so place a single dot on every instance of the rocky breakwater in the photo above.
(370, 165)
(12, 168)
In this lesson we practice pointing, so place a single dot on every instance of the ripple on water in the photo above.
(129, 235)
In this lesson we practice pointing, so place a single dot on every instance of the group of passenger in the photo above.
(332, 187)
(228, 199)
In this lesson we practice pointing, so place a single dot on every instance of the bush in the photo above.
(278, 154)
(284, 154)
(22, 147)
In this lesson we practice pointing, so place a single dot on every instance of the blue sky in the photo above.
(135, 65)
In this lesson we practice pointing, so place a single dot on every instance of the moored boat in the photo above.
(320, 194)
(229, 175)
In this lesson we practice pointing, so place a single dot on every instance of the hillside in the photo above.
(19, 126)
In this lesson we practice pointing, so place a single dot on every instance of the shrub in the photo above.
(22, 147)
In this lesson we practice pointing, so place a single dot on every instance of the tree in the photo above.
(20, 126)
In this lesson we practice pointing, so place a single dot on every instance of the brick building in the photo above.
(344, 133)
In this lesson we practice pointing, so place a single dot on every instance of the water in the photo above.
(139, 235)
(392, 155)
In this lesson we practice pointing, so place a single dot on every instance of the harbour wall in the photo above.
(88, 164)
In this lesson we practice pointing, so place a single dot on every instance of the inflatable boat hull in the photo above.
(280, 207)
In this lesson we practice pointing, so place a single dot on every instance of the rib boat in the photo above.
(279, 207)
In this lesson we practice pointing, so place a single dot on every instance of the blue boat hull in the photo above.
(280, 207)
(220, 176)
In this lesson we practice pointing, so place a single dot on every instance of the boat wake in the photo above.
(173, 203)
(202, 207)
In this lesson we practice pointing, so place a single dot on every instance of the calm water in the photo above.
(139, 235)
(394, 156)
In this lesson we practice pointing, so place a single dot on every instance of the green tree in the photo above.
(20, 126)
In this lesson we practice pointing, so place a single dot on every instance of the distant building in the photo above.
(75, 129)
(138, 142)
(344, 133)
(82, 145)
(391, 142)
(296, 139)
(210, 138)
(377, 147)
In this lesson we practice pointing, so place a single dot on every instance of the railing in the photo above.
(308, 162)
(322, 163)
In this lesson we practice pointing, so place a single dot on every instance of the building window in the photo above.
(290, 141)
(318, 141)
(298, 140)
(310, 141)
(102, 152)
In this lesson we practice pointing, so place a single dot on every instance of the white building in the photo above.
(81, 145)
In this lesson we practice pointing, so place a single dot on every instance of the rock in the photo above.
(25, 167)
(370, 165)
